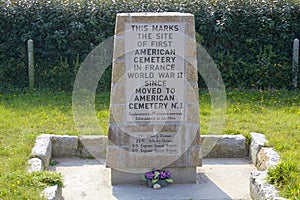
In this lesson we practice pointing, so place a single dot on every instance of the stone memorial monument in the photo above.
(154, 108)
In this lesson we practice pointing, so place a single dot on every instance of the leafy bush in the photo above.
(251, 41)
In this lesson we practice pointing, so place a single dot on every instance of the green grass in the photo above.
(23, 116)
(275, 114)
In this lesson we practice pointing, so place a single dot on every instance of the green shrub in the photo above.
(250, 41)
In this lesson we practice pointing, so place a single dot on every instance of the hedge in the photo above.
(250, 41)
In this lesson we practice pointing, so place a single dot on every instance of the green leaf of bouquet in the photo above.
(143, 178)
(154, 181)
(169, 180)
(156, 175)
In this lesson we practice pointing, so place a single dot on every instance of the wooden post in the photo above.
(30, 63)
(295, 64)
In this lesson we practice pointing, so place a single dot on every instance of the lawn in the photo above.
(25, 115)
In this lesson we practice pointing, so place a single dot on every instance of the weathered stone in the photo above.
(138, 129)
(118, 72)
(117, 136)
(193, 113)
(195, 155)
(116, 113)
(191, 70)
(64, 145)
(156, 186)
(184, 174)
(207, 140)
(115, 156)
(181, 161)
(93, 146)
(169, 128)
(257, 141)
(191, 94)
(260, 189)
(53, 193)
(163, 134)
(191, 51)
(189, 20)
(118, 95)
(119, 50)
(35, 165)
(43, 149)
(124, 177)
(155, 17)
(194, 131)
(267, 157)
(224, 146)
(120, 21)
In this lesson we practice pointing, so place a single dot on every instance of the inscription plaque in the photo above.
(154, 67)
(157, 143)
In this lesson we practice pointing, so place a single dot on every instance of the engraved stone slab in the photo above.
(154, 108)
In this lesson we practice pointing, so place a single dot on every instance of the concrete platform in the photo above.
(221, 178)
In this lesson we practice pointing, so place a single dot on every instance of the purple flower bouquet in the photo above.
(159, 176)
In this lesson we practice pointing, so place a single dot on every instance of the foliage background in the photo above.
(250, 40)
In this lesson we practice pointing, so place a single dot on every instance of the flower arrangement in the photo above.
(157, 178)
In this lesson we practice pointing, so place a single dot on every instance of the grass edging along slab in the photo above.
(213, 146)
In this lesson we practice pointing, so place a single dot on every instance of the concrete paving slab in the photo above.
(86, 179)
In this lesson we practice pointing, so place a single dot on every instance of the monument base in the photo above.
(179, 175)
